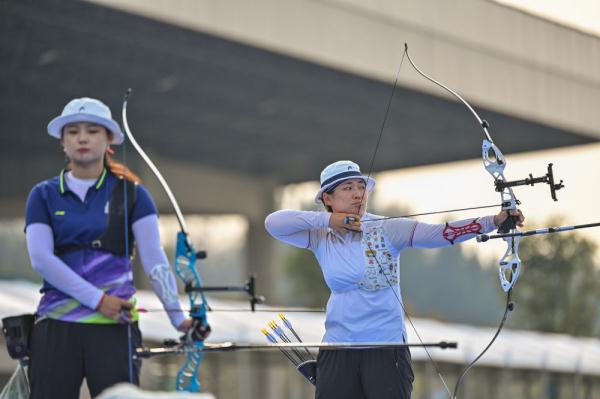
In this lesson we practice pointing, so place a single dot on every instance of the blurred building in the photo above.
(234, 99)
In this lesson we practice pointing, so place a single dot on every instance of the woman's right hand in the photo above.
(115, 308)
(343, 222)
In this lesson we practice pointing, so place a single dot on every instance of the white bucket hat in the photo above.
(86, 110)
(339, 171)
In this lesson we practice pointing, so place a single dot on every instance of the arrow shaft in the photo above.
(239, 310)
(231, 346)
(299, 340)
(548, 230)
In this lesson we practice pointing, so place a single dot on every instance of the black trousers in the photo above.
(364, 374)
(64, 353)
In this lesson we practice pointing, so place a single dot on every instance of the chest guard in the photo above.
(381, 269)
(113, 239)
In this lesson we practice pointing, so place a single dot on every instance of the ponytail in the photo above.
(120, 170)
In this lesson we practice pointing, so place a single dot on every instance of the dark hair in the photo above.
(330, 191)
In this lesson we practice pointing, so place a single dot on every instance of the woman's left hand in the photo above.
(195, 329)
(185, 325)
(503, 215)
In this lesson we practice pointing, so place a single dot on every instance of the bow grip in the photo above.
(510, 223)
(200, 330)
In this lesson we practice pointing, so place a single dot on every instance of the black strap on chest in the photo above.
(113, 238)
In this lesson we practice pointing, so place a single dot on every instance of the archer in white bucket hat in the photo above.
(86, 109)
(80, 226)
(359, 255)
(336, 173)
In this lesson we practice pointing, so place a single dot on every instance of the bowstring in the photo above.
(127, 251)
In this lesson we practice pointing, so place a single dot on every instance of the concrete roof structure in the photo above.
(274, 96)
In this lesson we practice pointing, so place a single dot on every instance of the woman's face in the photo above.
(348, 197)
(85, 143)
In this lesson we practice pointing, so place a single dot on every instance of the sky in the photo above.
(580, 14)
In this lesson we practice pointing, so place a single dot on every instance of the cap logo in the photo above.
(81, 109)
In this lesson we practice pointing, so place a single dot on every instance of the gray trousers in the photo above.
(364, 374)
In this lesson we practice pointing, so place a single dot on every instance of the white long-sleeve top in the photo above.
(364, 302)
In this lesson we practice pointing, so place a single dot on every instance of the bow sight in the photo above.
(249, 288)
(530, 181)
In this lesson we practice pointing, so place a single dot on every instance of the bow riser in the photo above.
(192, 343)
(510, 264)
(185, 268)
